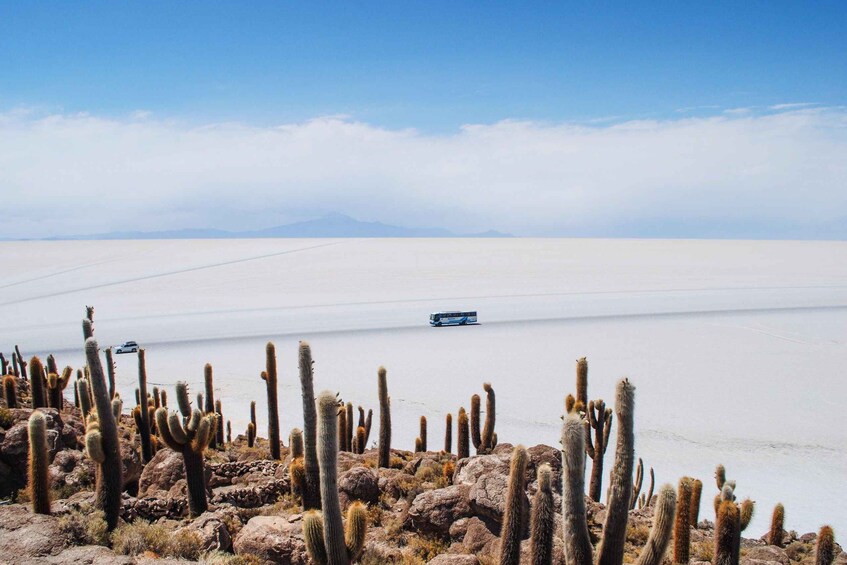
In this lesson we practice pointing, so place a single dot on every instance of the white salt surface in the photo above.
(737, 349)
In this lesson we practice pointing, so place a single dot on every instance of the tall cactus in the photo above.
(825, 547)
(342, 428)
(476, 436)
(448, 433)
(543, 520)
(513, 526)
(600, 420)
(582, 381)
(422, 435)
(636, 488)
(777, 532)
(38, 484)
(251, 434)
(682, 524)
(21, 363)
(10, 391)
(327, 540)
(660, 533)
(104, 440)
(351, 427)
(36, 370)
(694, 508)
(462, 440)
(209, 408)
(578, 546)
(489, 438)
(611, 547)
(384, 419)
(83, 391)
(270, 378)
(4, 365)
(220, 418)
(311, 494)
(110, 372)
(228, 431)
(144, 413)
(726, 534)
(190, 436)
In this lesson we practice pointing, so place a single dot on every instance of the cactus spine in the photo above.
(448, 433)
(38, 484)
(681, 533)
(600, 420)
(543, 521)
(513, 527)
(39, 400)
(611, 547)
(311, 494)
(10, 391)
(777, 533)
(144, 414)
(727, 534)
(109, 470)
(270, 378)
(578, 548)
(825, 547)
(384, 419)
(462, 442)
(210, 406)
(660, 533)
(190, 436)
(327, 540)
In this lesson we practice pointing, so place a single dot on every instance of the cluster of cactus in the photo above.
(269, 375)
(420, 441)
(189, 435)
(328, 540)
(486, 441)
(56, 383)
(352, 436)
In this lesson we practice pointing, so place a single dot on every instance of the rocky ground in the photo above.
(427, 508)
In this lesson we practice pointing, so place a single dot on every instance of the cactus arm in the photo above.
(582, 381)
(175, 429)
(163, 427)
(355, 530)
(639, 478)
(313, 533)
(488, 441)
(182, 399)
(747, 509)
(660, 532)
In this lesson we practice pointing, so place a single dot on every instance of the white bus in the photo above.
(437, 319)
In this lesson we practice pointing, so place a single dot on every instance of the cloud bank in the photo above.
(777, 173)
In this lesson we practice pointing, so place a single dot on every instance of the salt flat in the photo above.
(737, 349)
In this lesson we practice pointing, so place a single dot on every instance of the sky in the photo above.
(605, 119)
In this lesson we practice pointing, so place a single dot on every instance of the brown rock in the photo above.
(477, 535)
(211, 528)
(26, 535)
(359, 483)
(767, 553)
(435, 510)
(272, 539)
(161, 473)
(446, 559)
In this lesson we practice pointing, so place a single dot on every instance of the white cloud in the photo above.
(71, 174)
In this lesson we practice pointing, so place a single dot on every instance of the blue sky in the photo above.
(428, 65)
(659, 119)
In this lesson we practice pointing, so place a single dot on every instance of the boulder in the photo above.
(477, 536)
(272, 539)
(435, 511)
(767, 553)
(86, 555)
(26, 535)
(211, 528)
(161, 473)
(359, 483)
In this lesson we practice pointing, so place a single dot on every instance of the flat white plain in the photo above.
(737, 348)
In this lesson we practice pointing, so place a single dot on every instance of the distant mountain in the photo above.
(332, 225)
